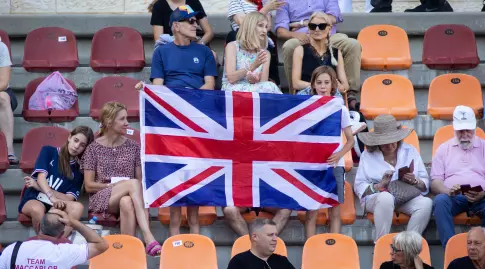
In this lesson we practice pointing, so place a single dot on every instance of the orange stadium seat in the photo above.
(24, 219)
(207, 215)
(50, 49)
(397, 219)
(324, 251)
(347, 209)
(455, 248)
(124, 252)
(442, 135)
(450, 90)
(35, 139)
(450, 46)
(250, 216)
(4, 163)
(243, 244)
(117, 49)
(382, 251)
(384, 47)
(186, 251)
(115, 88)
(6, 40)
(3, 212)
(131, 133)
(388, 94)
(46, 115)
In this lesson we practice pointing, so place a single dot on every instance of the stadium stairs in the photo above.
(84, 27)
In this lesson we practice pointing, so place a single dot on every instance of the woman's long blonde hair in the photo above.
(108, 115)
(150, 6)
(247, 36)
(326, 18)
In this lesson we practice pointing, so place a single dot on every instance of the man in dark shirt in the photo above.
(263, 238)
(476, 251)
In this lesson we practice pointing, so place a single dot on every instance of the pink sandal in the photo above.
(153, 249)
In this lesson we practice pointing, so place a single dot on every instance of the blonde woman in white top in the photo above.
(379, 165)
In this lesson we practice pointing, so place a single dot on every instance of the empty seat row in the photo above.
(111, 88)
(394, 94)
(198, 251)
(114, 49)
(445, 46)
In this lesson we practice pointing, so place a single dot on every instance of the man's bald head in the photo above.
(476, 243)
(51, 225)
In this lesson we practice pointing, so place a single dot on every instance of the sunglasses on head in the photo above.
(321, 26)
(190, 21)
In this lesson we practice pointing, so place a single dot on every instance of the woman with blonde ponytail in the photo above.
(318, 52)
(112, 176)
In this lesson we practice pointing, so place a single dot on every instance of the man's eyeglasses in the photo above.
(190, 21)
(321, 26)
(395, 250)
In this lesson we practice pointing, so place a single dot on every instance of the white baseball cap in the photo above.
(464, 118)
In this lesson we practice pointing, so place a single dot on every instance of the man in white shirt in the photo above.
(45, 254)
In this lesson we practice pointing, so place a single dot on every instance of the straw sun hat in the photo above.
(386, 131)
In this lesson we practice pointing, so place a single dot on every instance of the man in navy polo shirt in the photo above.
(183, 63)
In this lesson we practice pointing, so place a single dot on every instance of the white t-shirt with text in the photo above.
(41, 254)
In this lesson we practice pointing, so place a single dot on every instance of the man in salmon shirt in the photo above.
(458, 174)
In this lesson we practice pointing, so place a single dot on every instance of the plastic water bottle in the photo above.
(93, 220)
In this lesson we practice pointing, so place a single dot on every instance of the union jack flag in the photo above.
(219, 148)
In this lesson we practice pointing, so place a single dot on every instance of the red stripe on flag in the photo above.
(186, 185)
(302, 187)
(295, 116)
(175, 112)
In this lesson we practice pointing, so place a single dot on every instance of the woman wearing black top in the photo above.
(318, 52)
(162, 9)
(405, 249)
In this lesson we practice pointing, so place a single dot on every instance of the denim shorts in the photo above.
(13, 99)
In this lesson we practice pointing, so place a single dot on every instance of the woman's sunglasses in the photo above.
(395, 250)
(321, 26)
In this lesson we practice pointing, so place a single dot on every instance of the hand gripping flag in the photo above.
(217, 148)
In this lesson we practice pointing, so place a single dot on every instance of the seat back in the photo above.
(450, 90)
(187, 251)
(6, 40)
(243, 244)
(50, 49)
(327, 251)
(388, 94)
(35, 139)
(450, 46)
(446, 133)
(4, 163)
(3, 211)
(117, 49)
(124, 252)
(115, 88)
(384, 47)
(456, 247)
(382, 251)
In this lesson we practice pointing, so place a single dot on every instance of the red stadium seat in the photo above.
(111, 221)
(50, 49)
(6, 40)
(3, 212)
(24, 219)
(115, 88)
(35, 139)
(450, 46)
(4, 163)
(131, 133)
(117, 49)
(46, 115)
